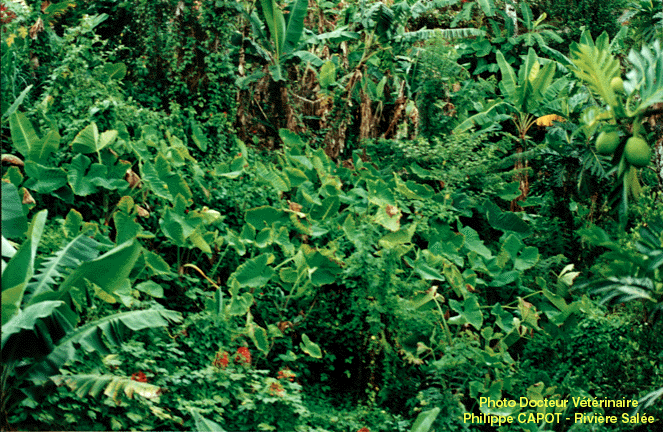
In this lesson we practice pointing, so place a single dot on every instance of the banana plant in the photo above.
(281, 40)
(41, 302)
(533, 92)
(27, 142)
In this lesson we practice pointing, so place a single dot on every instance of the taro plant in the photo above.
(363, 251)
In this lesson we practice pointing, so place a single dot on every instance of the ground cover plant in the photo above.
(331, 215)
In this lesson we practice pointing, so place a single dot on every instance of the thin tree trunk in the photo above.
(512, 13)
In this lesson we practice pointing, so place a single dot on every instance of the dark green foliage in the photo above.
(572, 16)
(605, 355)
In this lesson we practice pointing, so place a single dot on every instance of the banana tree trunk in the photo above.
(512, 13)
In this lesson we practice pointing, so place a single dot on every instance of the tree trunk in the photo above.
(512, 13)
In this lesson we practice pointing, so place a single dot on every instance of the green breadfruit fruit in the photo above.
(637, 152)
(617, 85)
(607, 142)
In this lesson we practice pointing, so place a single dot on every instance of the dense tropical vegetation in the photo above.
(332, 215)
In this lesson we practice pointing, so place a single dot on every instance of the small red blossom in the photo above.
(276, 389)
(243, 356)
(6, 16)
(286, 374)
(139, 376)
(364, 429)
(221, 360)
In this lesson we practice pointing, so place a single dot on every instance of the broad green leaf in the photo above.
(20, 268)
(504, 220)
(321, 269)
(424, 270)
(255, 272)
(150, 176)
(259, 337)
(44, 179)
(116, 71)
(27, 318)
(327, 75)
(424, 421)
(76, 176)
(125, 224)
(97, 336)
(150, 288)
(310, 347)
(81, 249)
(329, 208)
(271, 176)
(295, 176)
(199, 138)
(108, 271)
(155, 264)
(474, 243)
(106, 138)
(72, 223)
(291, 139)
(508, 82)
(393, 239)
(205, 425)
(86, 141)
(469, 311)
(527, 14)
(379, 193)
(240, 305)
(276, 24)
(266, 216)
(505, 278)
(646, 78)
(504, 319)
(295, 28)
(389, 216)
(23, 134)
(527, 258)
(19, 100)
(512, 245)
(455, 279)
(528, 313)
(14, 222)
(175, 184)
(41, 150)
(8, 250)
(488, 7)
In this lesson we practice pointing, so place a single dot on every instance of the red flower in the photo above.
(276, 389)
(221, 360)
(139, 376)
(364, 429)
(286, 374)
(6, 16)
(243, 356)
